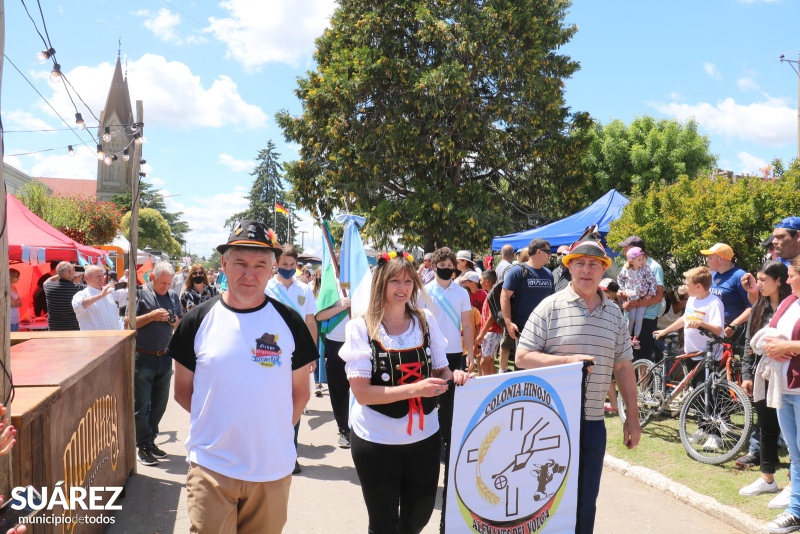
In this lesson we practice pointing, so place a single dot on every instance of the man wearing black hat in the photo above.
(647, 344)
(242, 373)
(577, 324)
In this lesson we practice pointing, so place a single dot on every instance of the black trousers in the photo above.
(398, 482)
(769, 432)
(455, 361)
(338, 385)
(647, 350)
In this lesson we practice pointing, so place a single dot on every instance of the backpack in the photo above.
(494, 294)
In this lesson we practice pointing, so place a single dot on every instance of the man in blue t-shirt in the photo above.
(726, 283)
(529, 283)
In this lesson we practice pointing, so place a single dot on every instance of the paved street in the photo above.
(326, 497)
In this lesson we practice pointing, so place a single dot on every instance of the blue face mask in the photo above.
(288, 274)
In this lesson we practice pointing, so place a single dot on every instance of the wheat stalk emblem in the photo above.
(484, 491)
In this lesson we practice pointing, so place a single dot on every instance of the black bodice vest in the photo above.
(395, 367)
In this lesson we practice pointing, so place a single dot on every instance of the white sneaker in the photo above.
(782, 500)
(698, 437)
(712, 444)
(758, 487)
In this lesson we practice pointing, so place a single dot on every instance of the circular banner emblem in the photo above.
(514, 459)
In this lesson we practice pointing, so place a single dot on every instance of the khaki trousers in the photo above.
(222, 505)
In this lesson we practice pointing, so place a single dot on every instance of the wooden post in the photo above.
(5, 287)
(134, 241)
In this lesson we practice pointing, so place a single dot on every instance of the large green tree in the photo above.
(645, 152)
(154, 232)
(150, 197)
(443, 121)
(85, 220)
(677, 221)
(265, 192)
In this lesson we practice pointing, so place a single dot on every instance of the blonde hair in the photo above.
(699, 275)
(377, 300)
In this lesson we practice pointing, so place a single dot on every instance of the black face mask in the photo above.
(444, 274)
(198, 279)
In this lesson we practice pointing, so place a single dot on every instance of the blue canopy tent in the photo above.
(566, 231)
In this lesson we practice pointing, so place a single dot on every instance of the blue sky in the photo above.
(213, 75)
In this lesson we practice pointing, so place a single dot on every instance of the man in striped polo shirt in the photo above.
(580, 323)
(59, 291)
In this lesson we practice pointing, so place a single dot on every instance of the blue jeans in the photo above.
(593, 449)
(788, 417)
(15, 327)
(151, 379)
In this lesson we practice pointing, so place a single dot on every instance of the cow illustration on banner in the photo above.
(515, 453)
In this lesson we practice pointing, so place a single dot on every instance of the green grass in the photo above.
(661, 450)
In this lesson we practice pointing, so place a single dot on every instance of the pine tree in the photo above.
(264, 193)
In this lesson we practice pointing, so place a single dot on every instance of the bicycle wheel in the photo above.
(648, 389)
(717, 435)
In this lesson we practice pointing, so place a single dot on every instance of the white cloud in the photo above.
(206, 216)
(257, 33)
(162, 24)
(172, 95)
(768, 123)
(746, 84)
(22, 120)
(157, 182)
(58, 164)
(712, 70)
(750, 164)
(236, 165)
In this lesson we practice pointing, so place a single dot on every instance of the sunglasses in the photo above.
(546, 251)
(198, 273)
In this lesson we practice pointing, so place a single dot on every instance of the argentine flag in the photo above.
(354, 273)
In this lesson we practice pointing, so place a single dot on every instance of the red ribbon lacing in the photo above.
(412, 373)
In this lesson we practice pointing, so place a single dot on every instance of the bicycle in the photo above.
(715, 418)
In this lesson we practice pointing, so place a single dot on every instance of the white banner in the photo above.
(514, 453)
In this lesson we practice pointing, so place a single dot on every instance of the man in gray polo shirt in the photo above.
(158, 313)
(580, 323)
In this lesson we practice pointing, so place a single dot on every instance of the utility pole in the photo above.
(795, 64)
(5, 288)
(136, 168)
(302, 238)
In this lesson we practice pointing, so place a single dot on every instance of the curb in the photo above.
(733, 517)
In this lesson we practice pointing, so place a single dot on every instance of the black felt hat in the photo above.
(254, 234)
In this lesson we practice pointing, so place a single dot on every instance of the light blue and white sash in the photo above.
(438, 295)
(281, 294)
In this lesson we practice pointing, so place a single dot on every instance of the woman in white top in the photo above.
(396, 364)
(787, 321)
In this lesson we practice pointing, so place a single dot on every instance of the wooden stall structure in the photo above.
(73, 410)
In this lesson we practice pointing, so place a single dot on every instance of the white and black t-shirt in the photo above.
(241, 420)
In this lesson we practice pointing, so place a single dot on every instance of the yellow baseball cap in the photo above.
(720, 249)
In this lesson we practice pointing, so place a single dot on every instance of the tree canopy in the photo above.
(264, 193)
(87, 221)
(149, 197)
(677, 221)
(443, 121)
(154, 232)
(645, 152)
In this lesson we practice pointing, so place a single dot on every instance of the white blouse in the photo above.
(357, 355)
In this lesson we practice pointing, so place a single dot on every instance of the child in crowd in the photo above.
(15, 302)
(636, 281)
(703, 310)
(611, 288)
(490, 334)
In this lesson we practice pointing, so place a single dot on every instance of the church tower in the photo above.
(116, 120)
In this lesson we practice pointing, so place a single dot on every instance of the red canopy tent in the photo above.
(32, 244)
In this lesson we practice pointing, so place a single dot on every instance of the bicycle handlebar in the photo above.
(711, 335)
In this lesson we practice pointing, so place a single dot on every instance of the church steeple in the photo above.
(117, 116)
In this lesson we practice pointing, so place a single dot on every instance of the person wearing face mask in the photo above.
(450, 305)
(196, 288)
(289, 291)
